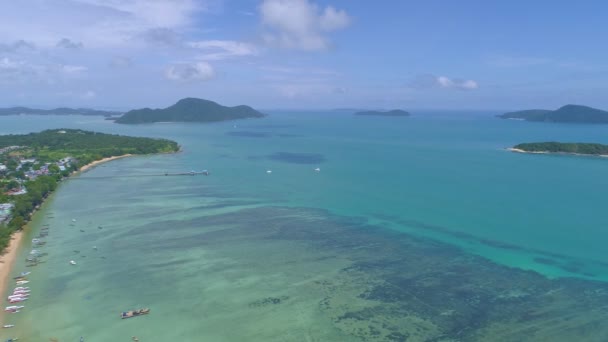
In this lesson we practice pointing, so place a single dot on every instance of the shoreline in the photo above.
(518, 150)
(9, 255)
(101, 161)
(7, 261)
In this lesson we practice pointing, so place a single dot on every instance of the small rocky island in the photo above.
(394, 112)
(566, 114)
(189, 110)
(562, 148)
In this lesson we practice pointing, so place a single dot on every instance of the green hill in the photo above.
(566, 114)
(56, 111)
(395, 112)
(189, 110)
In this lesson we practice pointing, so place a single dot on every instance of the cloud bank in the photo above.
(300, 24)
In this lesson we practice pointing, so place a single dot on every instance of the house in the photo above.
(2, 168)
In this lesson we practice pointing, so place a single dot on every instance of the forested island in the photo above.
(395, 112)
(565, 148)
(189, 110)
(566, 114)
(56, 111)
(31, 165)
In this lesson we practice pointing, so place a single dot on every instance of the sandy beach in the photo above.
(512, 149)
(517, 150)
(7, 259)
(97, 162)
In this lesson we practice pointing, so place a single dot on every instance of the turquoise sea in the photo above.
(419, 229)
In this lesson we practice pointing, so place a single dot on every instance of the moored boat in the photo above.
(8, 325)
(134, 313)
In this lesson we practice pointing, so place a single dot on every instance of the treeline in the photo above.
(86, 142)
(37, 191)
(557, 147)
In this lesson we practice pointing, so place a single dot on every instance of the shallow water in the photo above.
(304, 255)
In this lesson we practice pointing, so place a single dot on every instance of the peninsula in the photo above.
(32, 164)
(394, 112)
(189, 110)
(562, 148)
(56, 111)
(566, 114)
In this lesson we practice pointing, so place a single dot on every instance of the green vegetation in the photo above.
(189, 110)
(56, 111)
(38, 161)
(557, 147)
(565, 114)
(395, 112)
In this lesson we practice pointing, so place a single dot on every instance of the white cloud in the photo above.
(73, 69)
(427, 81)
(152, 13)
(8, 64)
(199, 71)
(223, 49)
(88, 95)
(445, 82)
(69, 44)
(300, 24)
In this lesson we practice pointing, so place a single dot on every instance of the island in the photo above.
(31, 165)
(394, 112)
(562, 148)
(189, 110)
(56, 111)
(566, 114)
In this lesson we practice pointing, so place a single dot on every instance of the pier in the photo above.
(166, 174)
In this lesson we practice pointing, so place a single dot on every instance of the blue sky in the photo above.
(304, 54)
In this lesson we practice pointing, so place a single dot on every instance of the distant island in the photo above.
(562, 148)
(566, 114)
(395, 112)
(56, 111)
(189, 110)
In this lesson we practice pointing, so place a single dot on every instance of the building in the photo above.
(3, 168)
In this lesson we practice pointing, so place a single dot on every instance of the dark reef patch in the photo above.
(268, 301)
(367, 283)
(297, 158)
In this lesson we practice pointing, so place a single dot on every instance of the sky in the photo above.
(304, 54)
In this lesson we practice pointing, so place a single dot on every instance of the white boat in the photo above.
(23, 274)
(268, 171)
(73, 220)
(318, 169)
(17, 300)
(72, 262)
(22, 288)
(13, 307)
(22, 282)
(18, 296)
(8, 325)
